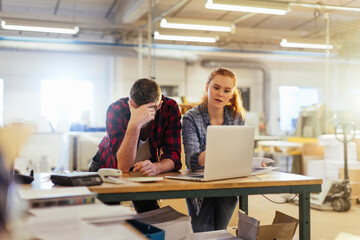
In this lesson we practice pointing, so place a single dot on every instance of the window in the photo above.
(1, 102)
(291, 100)
(64, 102)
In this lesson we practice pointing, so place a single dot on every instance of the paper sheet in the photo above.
(213, 235)
(71, 227)
(28, 193)
(258, 161)
(88, 221)
(257, 167)
(93, 213)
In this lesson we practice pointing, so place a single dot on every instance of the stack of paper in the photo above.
(56, 196)
(98, 213)
(89, 221)
(257, 167)
(176, 225)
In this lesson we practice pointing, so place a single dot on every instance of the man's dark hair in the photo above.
(145, 91)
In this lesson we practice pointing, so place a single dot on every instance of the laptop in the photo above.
(229, 154)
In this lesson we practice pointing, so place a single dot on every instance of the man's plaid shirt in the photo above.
(164, 136)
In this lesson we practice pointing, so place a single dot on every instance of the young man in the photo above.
(143, 134)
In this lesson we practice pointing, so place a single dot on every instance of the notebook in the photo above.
(229, 154)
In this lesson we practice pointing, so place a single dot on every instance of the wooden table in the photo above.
(270, 183)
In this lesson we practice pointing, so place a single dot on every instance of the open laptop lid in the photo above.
(229, 152)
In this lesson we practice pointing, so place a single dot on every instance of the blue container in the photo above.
(148, 230)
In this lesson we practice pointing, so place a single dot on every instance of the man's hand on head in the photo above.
(141, 115)
(146, 167)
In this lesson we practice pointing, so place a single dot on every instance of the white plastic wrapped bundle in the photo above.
(332, 169)
(334, 149)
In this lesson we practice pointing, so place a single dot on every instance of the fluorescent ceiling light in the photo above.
(159, 36)
(285, 43)
(38, 27)
(197, 24)
(280, 8)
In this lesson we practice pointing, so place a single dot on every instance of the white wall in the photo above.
(347, 94)
(198, 75)
(167, 72)
(303, 74)
(191, 79)
(113, 76)
(23, 71)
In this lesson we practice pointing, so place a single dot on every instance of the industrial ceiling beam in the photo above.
(57, 6)
(324, 6)
(244, 17)
(111, 8)
(129, 11)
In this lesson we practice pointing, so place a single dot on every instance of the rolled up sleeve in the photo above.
(192, 142)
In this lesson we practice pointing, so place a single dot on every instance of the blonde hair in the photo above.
(235, 103)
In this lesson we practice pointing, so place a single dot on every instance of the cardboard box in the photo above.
(354, 174)
(312, 149)
(355, 189)
(309, 152)
(283, 227)
(355, 201)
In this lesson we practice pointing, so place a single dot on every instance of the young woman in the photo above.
(221, 105)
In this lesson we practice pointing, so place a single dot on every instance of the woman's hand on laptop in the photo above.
(146, 167)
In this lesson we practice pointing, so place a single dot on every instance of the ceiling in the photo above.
(121, 22)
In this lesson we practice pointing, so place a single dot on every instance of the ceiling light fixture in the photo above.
(189, 38)
(38, 27)
(267, 7)
(197, 24)
(285, 43)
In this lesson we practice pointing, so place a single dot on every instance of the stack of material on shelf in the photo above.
(334, 157)
(354, 177)
(56, 196)
(313, 160)
(176, 225)
(86, 221)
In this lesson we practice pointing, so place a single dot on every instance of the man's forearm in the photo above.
(127, 150)
(165, 165)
